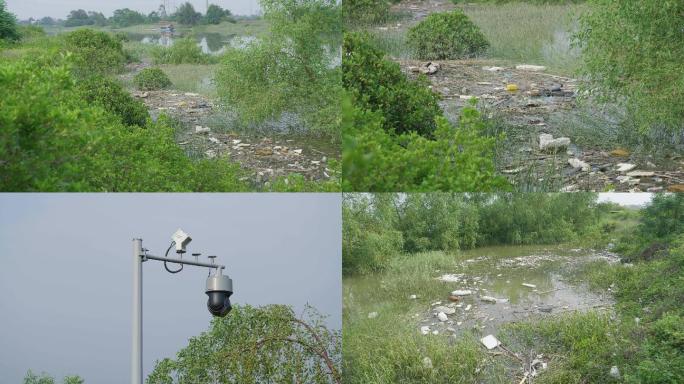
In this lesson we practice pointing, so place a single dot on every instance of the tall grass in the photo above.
(194, 78)
(535, 34)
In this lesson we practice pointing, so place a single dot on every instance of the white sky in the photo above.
(626, 198)
(61, 8)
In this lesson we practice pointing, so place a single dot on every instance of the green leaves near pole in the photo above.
(257, 345)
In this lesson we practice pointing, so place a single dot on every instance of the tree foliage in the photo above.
(94, 52)
(77, 18)
(633, 51)
(109, 95)
(257, 345)
(8, 24)
(216, 14)
(293, 69)
(187, 15)
(380, 226)
(126, 17)
(151, 79)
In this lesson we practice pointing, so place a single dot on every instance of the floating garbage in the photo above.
(459, 292)
(490, 342)
(529, 285)
(490, 299)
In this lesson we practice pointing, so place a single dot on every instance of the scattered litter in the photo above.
(435, 332)
(512, 87)
(488, 299)
(442, 316)
(614, 372)
(191, 94)
(625, 167)
(413, 297)
(548, 143)
(450, 278)
(529, 285)
(460, 292)
(490, 342)
(425, 330)
(446, 310)
(493, 69)
(640, 174)
(527, 67)
(215, 140)
(579, 164)
(427, 363)
(619, 152)
(201, 129)
(372, 315)
(467, 308)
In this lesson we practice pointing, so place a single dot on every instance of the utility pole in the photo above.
(218, 288)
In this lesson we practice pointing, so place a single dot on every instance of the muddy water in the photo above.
(211, 43)
(527, 282)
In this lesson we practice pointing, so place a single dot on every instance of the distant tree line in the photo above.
(125, 17)
(378, 227)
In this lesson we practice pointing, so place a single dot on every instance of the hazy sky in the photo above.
(626, 198)
(61, 8)
(65, 279)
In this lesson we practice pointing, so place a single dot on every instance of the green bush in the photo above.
(95, 52)
(28, 32)
(448, 35)
(459, 158)
(633, 51)
(151, 79)
(54, 140)
(183, 51)
(365, 11)
(109, 95)
(379, 85)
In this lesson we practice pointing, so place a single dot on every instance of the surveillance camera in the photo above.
(181, 239)
(219, 289)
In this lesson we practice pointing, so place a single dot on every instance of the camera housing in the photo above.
(181, 239)
(219, 289)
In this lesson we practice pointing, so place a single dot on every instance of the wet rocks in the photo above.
(548, 144)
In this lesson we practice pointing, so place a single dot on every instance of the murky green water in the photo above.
(211, 43)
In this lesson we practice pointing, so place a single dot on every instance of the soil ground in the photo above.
(264, 156)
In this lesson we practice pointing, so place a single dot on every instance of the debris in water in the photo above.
(201, 129)
(372, 315)
(425, 330)
(467, 308)
(512, 87)
(450, 278)
(620, 152)
(442, 317)
(490, 341)
(446, 310)
(413, 297)
(548, 143)
(529, 285)
(460, 292)
(577, 164)
(625, 167)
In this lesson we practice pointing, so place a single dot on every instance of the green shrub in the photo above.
(365, 11)
(379, 85)
(53, 140)
(94, 52)
(459, 158)
(183, 51)
(446, 36)
(113, 98)
(633, 51)
(151, 79)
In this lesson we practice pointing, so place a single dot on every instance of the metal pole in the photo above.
(187, 262)
(136, 356)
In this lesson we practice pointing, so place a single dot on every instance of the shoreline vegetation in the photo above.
(395, 247)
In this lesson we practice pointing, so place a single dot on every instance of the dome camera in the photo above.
(219, 289)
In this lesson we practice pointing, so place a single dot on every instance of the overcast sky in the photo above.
(61, 8)
(626, 198)
(65, 279)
